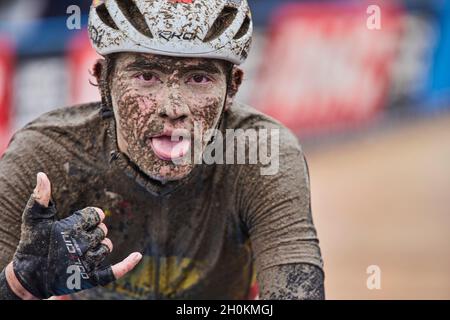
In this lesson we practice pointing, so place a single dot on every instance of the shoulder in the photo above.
(67, 118)
(68, 125)
(277, 154)
(244, 117)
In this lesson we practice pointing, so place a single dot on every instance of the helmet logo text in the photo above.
(169, 35)
(181, 1)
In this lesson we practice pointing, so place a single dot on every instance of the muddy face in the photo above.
(155, 98)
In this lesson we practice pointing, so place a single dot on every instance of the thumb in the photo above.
(43, 191)
(125, 266)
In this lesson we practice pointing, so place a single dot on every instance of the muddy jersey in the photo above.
(203, 237)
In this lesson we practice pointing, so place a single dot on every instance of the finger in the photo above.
(103, 228)
(98, 235)
(39, 205)
(104, 276)
(87, 219)
(101, 214)
(95, 257)
(42, 192)
(122, 268)
(107, 242)
(90, 240)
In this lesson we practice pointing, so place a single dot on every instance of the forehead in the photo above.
(124, 60)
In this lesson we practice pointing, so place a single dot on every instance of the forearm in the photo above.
(10, 287)
(6, 293)
(292, 282)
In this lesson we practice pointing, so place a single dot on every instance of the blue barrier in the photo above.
(437, 94)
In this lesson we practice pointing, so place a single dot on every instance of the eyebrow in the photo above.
(145, 64)
(208, 67)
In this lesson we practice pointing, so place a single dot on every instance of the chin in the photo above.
(170, 173)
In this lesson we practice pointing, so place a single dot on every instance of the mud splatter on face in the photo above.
(154, 96)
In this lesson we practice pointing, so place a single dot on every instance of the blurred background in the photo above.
(370, 105)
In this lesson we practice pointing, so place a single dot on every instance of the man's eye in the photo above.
(148, 77)
(199, 78)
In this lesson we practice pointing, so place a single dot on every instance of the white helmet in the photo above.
(218, 29)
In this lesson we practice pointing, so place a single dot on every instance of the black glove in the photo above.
(57, 258)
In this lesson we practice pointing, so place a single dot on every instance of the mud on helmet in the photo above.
(217, 29)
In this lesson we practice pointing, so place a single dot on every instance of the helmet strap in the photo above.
(222, 113)
(107, 107)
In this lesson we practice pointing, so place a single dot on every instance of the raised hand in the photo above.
(57, 258)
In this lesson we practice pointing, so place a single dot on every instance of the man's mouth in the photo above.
(169, 147)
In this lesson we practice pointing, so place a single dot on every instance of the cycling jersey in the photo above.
(203, 237)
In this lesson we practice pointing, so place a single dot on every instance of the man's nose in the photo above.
(173, 108)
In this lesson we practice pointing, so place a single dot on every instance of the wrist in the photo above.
(15, 285)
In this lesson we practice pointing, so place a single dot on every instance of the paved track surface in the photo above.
(384, 199)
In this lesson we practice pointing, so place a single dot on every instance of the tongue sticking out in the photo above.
(166, 149)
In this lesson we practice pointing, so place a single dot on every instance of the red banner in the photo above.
(81, 58)
(325, 67)
(6, 87)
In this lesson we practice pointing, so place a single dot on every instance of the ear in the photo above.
(96, 72)
(236, 81)
(101, 73)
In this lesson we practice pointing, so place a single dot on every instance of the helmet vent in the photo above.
(134, 16)
(104, 15)
(221, 24)
(244, 29)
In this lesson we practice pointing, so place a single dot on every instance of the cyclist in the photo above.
(189, 230)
